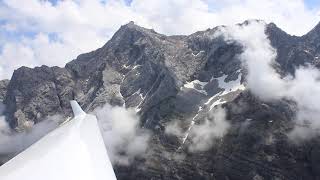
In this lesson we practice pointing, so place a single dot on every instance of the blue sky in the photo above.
(35, 33)
(312, 3)
(128, 1)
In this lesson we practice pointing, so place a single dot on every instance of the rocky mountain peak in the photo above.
(132, 32)
(249, 21)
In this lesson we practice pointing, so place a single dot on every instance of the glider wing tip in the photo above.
(77, 110)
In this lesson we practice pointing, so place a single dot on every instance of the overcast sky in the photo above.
(35, 32)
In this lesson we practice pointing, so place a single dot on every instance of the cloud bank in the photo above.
(304, 88)
(35, 32)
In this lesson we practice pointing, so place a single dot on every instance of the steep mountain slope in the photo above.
(179, 78)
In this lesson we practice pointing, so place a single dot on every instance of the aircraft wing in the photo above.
(74, 151)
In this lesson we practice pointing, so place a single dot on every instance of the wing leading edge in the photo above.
(74, 151)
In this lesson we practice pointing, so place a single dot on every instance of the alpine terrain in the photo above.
(192, 94)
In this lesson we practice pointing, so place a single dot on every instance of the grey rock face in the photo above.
(177, 78)
(3, 89)
(32, 94)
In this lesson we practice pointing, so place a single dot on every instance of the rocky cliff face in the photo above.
(3, 89)
(180, 78)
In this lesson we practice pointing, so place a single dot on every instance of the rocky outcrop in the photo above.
(178, 78)
(34, 94)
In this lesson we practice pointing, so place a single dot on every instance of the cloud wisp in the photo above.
(202, 135)
(125, 140)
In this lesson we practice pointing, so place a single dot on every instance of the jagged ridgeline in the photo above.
(181, 78)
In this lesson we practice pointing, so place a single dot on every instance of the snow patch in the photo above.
(136, 66)
(231, 85)
(197, 53)
(218, 102)
(213, 97)
(187, 133)
(193, 84)
(126, 66)
(307, 51)
(138, 108)
(228, 87)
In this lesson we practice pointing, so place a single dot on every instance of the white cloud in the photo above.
(287, 14)
(175, 17)
(188, 16)
(78, 27)
(258, 57)
(174, 128)
(12, 142)
(34, 52)
(124, 138)
(202, 135)
(85, 25)
(265, 82)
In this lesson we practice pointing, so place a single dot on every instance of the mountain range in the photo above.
(179, 78)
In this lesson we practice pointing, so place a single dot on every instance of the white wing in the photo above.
(74, 151)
